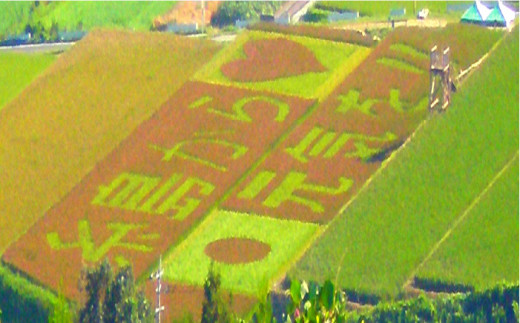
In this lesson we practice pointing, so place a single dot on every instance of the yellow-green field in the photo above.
(17, 70)
(79, 110)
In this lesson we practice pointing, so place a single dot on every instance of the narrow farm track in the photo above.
(460, 219)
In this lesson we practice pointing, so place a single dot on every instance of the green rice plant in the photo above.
(409, 50)
(79, 110)
(483, 249)
(392, 225)
(18, 70)
(189, 263)
(399, 65)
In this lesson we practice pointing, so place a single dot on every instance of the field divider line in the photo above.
(460, 219)
(465, 74)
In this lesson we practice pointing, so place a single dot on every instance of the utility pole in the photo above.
(203, 15)
(158, 290)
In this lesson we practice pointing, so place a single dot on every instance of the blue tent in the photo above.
(476, 14)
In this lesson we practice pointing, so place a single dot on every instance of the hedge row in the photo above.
(322, 32)
(23, 301)
(439, 286)
(499, 304)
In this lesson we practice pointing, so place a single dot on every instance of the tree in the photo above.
(113, 298)
(214, 309)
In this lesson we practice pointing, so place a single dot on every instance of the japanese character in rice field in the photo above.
(237, 112)
(92, 253)
(288, 188)
(202, 139)
(327, 144)
(142, 193)
(351, 102)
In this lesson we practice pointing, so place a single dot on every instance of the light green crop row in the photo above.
(376, 245)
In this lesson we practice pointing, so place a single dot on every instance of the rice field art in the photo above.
(288, 153)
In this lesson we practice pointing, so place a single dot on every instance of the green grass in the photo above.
(11, 14)
(189, 264)
(338, 58)
(136, 15)
(483, 250)
(388, 230)
(18, 70)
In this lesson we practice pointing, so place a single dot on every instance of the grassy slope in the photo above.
(18, 70)
(136, 15)
(392, 225)
(79, 110)
(483, 250)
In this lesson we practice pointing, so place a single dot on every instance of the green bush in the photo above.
(23, 301)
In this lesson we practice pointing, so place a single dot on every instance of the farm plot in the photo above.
(248, 250)
(376, 245)
(286, 64)
(78, 110)
(482, 250)
(326, 159)
(19, 70)
(157, 183)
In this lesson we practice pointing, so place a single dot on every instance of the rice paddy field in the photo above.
(293, 152)
(378, 243)
(18, 70)
(78, 110)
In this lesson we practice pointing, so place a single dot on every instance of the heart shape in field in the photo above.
(269, 59)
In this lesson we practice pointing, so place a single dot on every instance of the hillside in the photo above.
(377, 244)
(79, 109)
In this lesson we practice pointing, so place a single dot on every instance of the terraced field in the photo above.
(246, 167)
(376, 246)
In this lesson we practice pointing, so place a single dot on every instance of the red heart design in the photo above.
(269, 59)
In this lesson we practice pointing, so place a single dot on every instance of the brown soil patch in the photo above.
(237, 250)
(187, 12)
(269, 59)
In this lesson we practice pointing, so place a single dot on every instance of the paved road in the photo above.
(36, 48)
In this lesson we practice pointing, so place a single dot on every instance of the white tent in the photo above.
(501, 15)
(476, 14)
